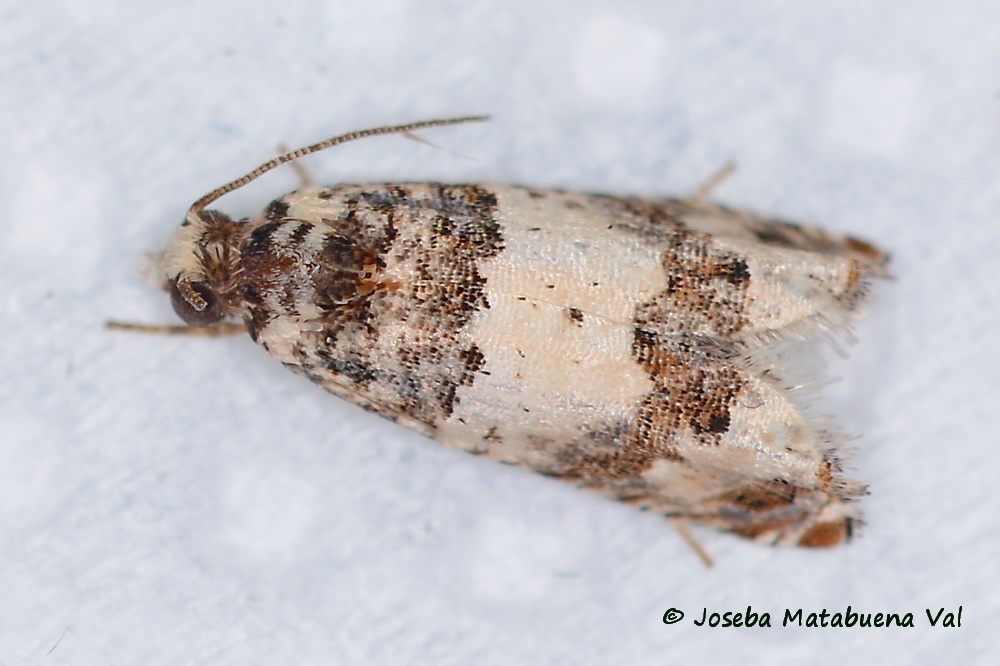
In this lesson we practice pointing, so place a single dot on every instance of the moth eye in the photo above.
(181, 297)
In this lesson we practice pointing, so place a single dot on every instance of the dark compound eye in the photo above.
(210, 315)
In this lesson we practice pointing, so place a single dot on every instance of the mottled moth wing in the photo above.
(621, 344)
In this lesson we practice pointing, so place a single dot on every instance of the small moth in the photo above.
(633, 346)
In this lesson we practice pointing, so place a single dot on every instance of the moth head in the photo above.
(195, 265)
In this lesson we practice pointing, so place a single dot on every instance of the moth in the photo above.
(637, 347)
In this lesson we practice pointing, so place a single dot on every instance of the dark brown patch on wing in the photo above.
(277, 210)
(706, 289)
(625, 461)
(607, 458)
(825, 535)
(356, 369)
(681, 340)
(694, 391)
(464, 231)
(866, 251)
(783, 234)
(762, 497)
(396, 277)
(776, 510)
(258, 242)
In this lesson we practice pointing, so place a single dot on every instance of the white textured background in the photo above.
(187, 501)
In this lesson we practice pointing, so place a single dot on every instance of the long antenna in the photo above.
(199, 205)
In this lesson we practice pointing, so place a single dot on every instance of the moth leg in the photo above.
(703, 193)
(216, 331)
(681, 526)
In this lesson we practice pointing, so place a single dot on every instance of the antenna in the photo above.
(199, 206)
